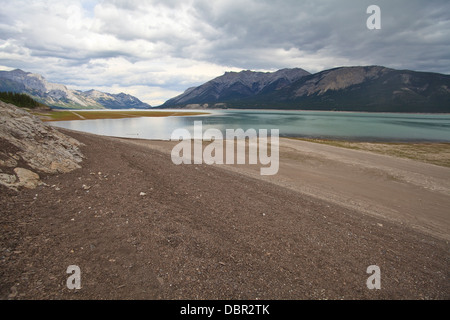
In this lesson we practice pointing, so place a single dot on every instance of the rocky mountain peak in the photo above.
(58, 95)
(237, 85)
(354, 88)
(19, 71)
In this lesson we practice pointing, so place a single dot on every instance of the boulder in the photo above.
(27, 178)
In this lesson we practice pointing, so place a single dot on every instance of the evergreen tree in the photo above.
(21, 100)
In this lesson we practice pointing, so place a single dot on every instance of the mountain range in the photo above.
(59, 96)
(366, 88)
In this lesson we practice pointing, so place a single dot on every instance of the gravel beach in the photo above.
(140, 227)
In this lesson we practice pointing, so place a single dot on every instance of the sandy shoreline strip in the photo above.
(397, 189)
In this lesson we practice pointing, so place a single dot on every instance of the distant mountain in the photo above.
(369, 88)
(58, 95)
(234, 86)
(115, 101)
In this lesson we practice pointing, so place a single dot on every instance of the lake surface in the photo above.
(308, 124)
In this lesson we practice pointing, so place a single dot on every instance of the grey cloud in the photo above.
(245, 34)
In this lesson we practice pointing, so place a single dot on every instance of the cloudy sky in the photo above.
(155, 49)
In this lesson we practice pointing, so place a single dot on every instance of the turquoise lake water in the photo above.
(308, 124)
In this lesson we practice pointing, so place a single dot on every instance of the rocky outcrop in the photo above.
(29, 148)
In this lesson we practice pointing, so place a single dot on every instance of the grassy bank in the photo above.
(110, 114)
(435, 153)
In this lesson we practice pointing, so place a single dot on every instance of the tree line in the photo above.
(21, 100)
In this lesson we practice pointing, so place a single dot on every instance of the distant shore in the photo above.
(69, 115)
(305, 110)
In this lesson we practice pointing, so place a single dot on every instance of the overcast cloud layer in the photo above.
(157, 49)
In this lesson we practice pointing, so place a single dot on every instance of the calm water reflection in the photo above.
(313, 124)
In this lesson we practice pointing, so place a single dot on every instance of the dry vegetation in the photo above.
(91, 115)
(434, 153)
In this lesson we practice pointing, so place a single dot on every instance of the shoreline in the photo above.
(52, 115)
(341, 175)
(420, 147)
(308, 110)
(81, 115)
